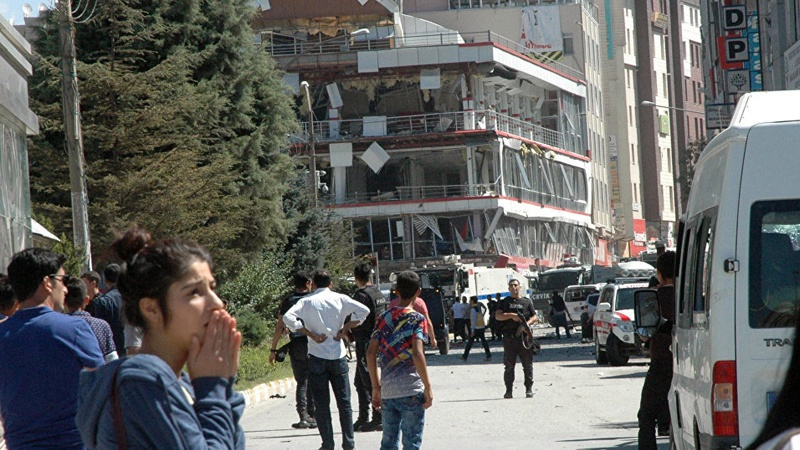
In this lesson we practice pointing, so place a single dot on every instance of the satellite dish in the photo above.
(27, 10)
(43, 8)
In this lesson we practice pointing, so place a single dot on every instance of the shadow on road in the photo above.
(626, 375)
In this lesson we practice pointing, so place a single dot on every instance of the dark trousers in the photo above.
(586, 326)
(560, 320)
(480, 334)
(298, 355)
(460, 326)
(362, 382)
(654, 406)
(333, 372)
(512, 348)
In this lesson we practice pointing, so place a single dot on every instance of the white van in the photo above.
(738, 276)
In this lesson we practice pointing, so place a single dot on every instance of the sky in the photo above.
(13, 8)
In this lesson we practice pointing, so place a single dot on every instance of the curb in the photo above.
(264, 391)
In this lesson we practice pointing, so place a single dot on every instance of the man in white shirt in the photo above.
(321, 316)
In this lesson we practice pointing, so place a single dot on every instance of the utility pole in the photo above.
(70, 101)
(313, 157)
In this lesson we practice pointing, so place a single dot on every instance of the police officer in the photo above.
(370, 296)
(515, 312)
(654, 406)
(298, 352)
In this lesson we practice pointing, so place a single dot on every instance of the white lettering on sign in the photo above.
(736, 49)
(734, 17)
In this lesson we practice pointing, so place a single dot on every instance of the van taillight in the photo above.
(723, 399)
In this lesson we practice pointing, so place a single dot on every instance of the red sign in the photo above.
(639, 242)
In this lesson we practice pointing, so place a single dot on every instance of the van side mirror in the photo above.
(647, 312)
(605, 306)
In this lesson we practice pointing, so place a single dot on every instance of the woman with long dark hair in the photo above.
(147, 401)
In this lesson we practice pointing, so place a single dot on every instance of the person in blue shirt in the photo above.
(42, 353)
(8, 300)
(147, 400)
(74, 303)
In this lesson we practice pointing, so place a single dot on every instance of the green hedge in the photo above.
(254, 367)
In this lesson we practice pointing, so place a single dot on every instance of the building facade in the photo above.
(16, 122)
(435, 133)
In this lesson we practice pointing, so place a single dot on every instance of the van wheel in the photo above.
(600, 356)
(615, 355)
(444, 347)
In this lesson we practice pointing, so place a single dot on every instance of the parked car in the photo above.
(615, 337)
(575, 298)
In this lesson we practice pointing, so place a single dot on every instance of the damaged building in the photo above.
(432, 141)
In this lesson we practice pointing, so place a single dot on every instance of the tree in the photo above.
(185, 126)
(320, 238)
(686, 175)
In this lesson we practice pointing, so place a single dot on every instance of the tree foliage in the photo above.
(320, 238)
(184, 126)
(686, 175)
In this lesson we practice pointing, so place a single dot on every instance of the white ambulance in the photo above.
(738, 279)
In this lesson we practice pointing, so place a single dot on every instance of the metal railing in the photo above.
(405, 193)
(402, 193)
(337, 45)
(405, 125)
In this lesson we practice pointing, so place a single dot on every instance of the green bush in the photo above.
(258, 286)
(254, 367)
(253, 327)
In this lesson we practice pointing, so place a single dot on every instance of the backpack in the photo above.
(480, 321)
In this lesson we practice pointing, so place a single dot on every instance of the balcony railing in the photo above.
(394, 126)
(346, 44)
(405, 193)
(421, 193)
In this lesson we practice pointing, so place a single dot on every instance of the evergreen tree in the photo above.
(184, 124)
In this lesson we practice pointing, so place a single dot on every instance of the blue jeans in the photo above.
(333, 371)
(406, 414)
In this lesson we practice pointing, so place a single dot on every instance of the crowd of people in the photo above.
(151, 362)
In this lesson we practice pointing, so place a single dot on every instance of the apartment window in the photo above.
(635, 193)
(568, 44)
(670, 199)
(630, 116)
(633, 154)
(628, 40)
(669, 160)
(663, 6)
(664, 82)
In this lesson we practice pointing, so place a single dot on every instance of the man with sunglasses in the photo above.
(43, 353)
(514, 312)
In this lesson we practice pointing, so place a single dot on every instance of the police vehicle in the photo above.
(615, 337)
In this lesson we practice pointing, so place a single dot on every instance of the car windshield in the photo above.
(557, 281)
(625, 298)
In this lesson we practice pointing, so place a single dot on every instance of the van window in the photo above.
(695, 265)
(774, 263)
(688, 275)
(705, 244)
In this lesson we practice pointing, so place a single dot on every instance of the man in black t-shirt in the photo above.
(515, 312)
(298, 352)
(370, 296)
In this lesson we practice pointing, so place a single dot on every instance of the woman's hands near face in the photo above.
(216, 352)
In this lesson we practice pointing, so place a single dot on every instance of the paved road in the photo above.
(576, 405)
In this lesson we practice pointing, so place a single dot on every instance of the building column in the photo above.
(340, 184)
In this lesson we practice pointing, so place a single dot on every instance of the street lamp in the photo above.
(649, 103)
(312, 163)
(305, 86)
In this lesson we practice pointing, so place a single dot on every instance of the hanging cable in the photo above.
(91, 14)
